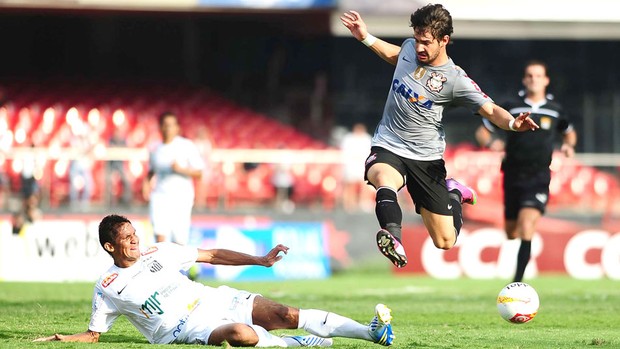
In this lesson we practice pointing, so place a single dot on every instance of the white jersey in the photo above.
(186, 154)
(154, 295)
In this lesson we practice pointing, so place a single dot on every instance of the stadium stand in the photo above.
(46, 114)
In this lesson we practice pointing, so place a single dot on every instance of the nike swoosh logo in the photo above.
(138, 273)
(449, 207)
(405, 59)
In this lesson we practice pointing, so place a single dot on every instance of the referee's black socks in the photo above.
(523, 258)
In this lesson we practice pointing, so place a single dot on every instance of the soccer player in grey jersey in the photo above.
(409, 142)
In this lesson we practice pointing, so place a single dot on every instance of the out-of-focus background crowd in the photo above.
(281, 101)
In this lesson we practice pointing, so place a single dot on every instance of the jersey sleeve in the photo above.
(468, 94)
(183, 256)
(564, 125)
(104, 312)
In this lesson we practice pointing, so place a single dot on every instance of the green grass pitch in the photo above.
(428, 313)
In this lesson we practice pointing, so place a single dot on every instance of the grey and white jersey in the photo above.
(411, 124)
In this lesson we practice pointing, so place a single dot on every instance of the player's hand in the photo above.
(274, 255)
(353, 21)
(568, 150)
(56, 337)
(523, 122)
(177, 168)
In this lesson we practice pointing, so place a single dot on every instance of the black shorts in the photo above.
(525, 190)
(425, 180)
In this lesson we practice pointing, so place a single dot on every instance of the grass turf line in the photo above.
(428, 313)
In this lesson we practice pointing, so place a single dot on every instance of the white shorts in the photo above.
(171, 218)
(224, 306)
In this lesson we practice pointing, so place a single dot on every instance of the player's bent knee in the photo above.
(237, 335)
(444, 242)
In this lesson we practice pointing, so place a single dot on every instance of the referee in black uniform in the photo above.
(527, 157)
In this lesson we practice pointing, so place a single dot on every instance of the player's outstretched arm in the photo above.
(354, 22)
(502, 118)
(85, 337)
(228, 257)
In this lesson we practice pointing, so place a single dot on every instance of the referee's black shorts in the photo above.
(525, 189)
(425, 180)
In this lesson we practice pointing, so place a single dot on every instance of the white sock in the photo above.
(323, 324)
(266, 339)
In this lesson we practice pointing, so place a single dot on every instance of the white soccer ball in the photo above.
(518, 303)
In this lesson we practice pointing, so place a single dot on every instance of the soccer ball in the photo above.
(518, 303)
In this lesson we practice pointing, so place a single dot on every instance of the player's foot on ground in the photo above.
(308, 341)
(380, 328)
(468, 195)
(391, 248)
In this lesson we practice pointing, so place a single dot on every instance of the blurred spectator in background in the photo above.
(355, 146)
(283, 182)
(204, 143)
(28, 211)
(117, 168)
(81, 168)
(30, 189)
(6, 142)
(29, 186)
(527, 158)
(169, 187)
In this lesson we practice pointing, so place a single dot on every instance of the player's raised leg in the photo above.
(388, 180)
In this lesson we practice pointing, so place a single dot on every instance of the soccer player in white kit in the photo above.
(166, 307)
(174, 163)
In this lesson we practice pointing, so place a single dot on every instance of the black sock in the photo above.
(388, 212)
(457, 210)
(523, 257)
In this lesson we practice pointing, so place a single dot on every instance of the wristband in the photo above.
(369, 40)
(511, 125)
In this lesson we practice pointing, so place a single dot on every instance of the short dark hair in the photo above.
(166, 114)
(537, 62)
(109, 228)
(434, 18)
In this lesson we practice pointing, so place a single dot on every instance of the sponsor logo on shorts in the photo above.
(371, 158)
(542, 197)
(108, 280)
